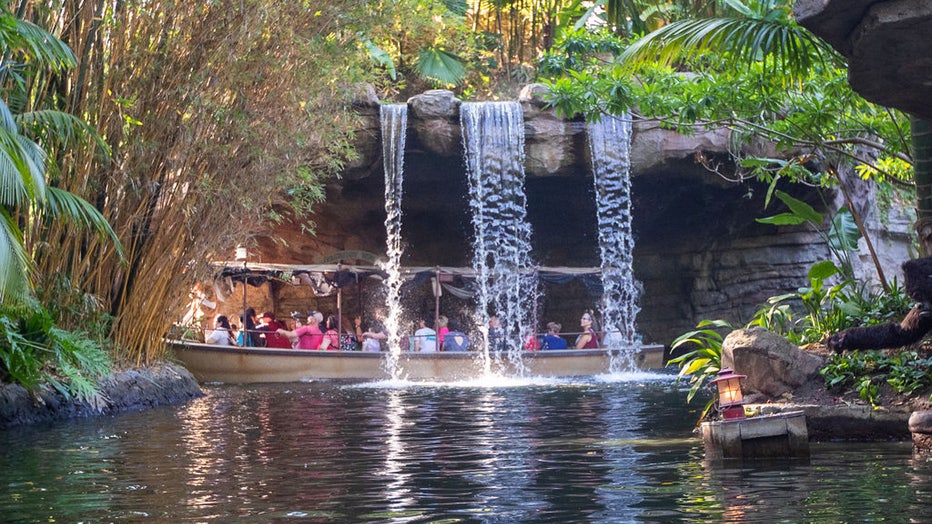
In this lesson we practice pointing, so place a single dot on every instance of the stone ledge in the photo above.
(126, 390)
(846, 422)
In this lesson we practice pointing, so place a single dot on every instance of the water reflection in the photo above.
(617, 450)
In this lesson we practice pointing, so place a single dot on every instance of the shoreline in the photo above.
(130, 389)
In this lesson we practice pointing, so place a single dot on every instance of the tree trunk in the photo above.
(922, 168)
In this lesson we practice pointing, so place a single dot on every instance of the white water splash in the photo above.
(493, 142)
(610, 145)
(394, 120)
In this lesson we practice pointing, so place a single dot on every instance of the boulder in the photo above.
(435, 118)
(773, 364)
(920, 426)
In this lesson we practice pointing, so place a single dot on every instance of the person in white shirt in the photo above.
(222, 334)
(425, 338)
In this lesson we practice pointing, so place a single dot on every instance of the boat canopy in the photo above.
(324, 277)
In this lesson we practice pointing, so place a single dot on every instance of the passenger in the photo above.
(331, 339)
(349, 341)
(374, 337)
(443, 327)
(425, 339)
(588, 339)
(270, 329)
(456, 340)
(298, 317)
(532, 343)
(248, 336)
(496, 335)
(553, 340)
(222, 334)
(309, 336)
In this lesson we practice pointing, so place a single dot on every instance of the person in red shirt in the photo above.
(309, 336)
(270, 329)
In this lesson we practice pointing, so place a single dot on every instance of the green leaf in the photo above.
(380, 57)
(800, 208)
(783, 219)
(441, 66)
(822, 270)
(844, 234)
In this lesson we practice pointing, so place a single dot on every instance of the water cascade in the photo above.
(394, 119)
(493, 141)
(610, 145)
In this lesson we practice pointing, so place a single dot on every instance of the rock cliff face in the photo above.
(699, 252)
(886, 43)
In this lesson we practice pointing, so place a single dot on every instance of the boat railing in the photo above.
(199, 334)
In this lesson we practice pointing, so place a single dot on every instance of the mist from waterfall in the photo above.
(610, 146)
(493, 142)
(394, 121)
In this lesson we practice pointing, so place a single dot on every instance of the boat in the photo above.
(234, 364)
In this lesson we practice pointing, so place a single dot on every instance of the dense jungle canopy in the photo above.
(189, 125)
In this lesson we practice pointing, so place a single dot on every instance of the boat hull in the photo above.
(230, 364)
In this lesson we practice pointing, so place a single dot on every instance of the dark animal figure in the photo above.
(917, 275)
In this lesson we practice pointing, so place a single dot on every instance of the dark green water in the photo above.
(618, 450)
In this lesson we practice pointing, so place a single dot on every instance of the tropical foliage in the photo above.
(752, 70)
(34, 137)
(906, 373)
(703, 357)
(34, 351)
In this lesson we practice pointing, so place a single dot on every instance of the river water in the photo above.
(612, 449)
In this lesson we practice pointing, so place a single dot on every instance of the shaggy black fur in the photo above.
(917, 281)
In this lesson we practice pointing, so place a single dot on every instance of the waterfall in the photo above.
(493, 142)
(394, 119)
(610, 145)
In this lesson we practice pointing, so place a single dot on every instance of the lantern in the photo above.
(730, 399)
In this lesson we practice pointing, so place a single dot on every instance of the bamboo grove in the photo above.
(209, 112)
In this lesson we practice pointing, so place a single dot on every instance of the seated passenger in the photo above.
(532, 343)
(443, 327)
(553, 340)
(373, 339)
(331, 338)
(496, 335)
(269, 328)
(222, 334)
(309, 336)
(455, 341)
(248, 336)
(425, 339)
(588, 339)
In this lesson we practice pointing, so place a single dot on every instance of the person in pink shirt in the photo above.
(442, 329)
(331, 339)
(309, 336)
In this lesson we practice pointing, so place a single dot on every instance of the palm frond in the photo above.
(787, 46)
(14, 264)
(22, 170)
(78, 211)
(441, 66)
(35, 43)
(49, 126)
(7, 120)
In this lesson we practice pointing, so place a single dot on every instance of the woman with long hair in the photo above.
(588, 339)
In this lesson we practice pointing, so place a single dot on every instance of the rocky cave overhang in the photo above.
(886, 43)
